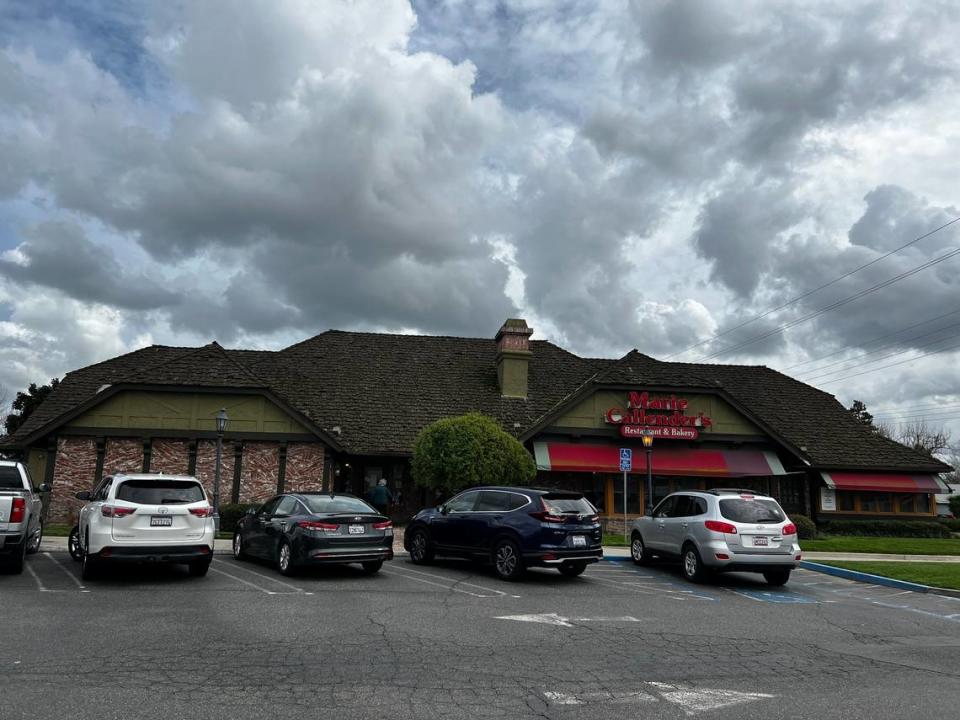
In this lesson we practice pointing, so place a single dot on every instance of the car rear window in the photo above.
(10, 478)
(160, 492)
(751, 511)
(569, 504)
(321, 504)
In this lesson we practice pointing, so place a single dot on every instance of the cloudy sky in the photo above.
(622, 174)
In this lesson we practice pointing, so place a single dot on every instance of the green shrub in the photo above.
(951, 524)
(806, 528)
(468, 450)
(231, 513)
(885, 528)
(955, 505)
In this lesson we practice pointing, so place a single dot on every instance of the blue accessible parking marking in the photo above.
(776, 597)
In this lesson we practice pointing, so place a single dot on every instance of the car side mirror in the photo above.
(444, 509)
(44, 488)
(83, 495)
(251, 511)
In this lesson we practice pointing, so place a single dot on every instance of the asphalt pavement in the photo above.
(450, 640)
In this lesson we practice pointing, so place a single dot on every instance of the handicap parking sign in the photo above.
(626, 459)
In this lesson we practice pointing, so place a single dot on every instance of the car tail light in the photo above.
(594, 518)
(116, 511)
(382, 525)
(722, 556)
(720, 527)
(19, 510)
(314, 525)
(202, 511)
(799, 557)
(789, 529)
(547, 517)
(549, 556)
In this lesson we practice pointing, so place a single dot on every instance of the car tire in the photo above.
(14, 564)
(91, 567)
(421, 549)
(638, 550)
(507, 562)
(34, 547)
(572, 569)
(285, 562)
(199, 568)
(73, 544)
(692, 565)
(238, 552)
(372, 567)
(777, 578)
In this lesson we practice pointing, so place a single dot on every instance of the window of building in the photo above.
(846, 501)
(633, 495)
(882, 503)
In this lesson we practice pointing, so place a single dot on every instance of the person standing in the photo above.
(382, 497)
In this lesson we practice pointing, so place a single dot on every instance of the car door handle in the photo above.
(683, 524)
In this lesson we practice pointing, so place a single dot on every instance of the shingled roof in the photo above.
(381, 389)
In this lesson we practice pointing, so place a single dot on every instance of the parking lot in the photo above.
(450, 639)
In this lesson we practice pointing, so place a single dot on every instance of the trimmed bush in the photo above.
(806, 528)
(953, 525)
(955, 505)
(231, 513)
(885, 528)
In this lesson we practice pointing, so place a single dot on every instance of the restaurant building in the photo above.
(342, 410)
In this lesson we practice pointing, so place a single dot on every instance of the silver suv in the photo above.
(719, 530)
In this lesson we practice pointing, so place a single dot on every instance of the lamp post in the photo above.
(221, 428)
(648, 446)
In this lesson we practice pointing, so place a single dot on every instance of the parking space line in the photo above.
(435, 584)
(265, 577)
(36, 577)
(458, 582)
(83, 588)
(245, 582)
(632, 588)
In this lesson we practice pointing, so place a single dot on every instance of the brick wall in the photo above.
(123, 455)
(170, 456)
(75, 468)
(259, 471)
(206, 468)
(304, 467)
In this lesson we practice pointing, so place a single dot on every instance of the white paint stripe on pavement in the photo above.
(237, 566)
(435, 584)
(37, 578)
(632, 588)
(458, 582)
(83, 588)
(241, 580)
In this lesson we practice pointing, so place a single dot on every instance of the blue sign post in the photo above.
(626, 465)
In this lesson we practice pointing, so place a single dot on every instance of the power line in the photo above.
(839, 303)
(816, 374)
(884, 367)
(815, 290)
(919, 416)
(873, 340)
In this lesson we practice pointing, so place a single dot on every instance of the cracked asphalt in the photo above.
(440, 641)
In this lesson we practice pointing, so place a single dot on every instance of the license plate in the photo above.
(161, 521)
(356, 529)
(579, 541)
(758, 541)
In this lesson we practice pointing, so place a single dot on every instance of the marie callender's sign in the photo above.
(663, 417)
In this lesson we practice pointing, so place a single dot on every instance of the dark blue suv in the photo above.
(513, 528)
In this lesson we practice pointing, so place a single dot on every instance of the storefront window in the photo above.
(633, 495)
(868, 502)
(846, 501)
(594, 489)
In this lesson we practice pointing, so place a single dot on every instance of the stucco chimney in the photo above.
(513, 358)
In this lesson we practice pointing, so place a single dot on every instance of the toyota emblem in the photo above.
(163, 510)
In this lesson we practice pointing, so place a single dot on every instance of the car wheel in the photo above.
(421, 549)
(285, 562)
(73, 544)
(238, 552)
(693, 569)
(91, 567)
(34, 547)
(572, 569)
(507, 561)
(777, 578)
(14, 564)
(372, 567)
(638, 551)
(199, 568)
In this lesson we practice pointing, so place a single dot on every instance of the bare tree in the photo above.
(921, 436)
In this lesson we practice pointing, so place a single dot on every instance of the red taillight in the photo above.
(382, 525)
(722, 556)
(314, 525)
(799, 557)
(720, 527)
(789, 529)
(116, 511)
(202, 511)
(19, 510)
(594, 518)
(547, 517)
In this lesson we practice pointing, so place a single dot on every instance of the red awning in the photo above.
(883, 482)
(577, 457)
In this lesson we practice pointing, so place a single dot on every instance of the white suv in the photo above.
(146, 517)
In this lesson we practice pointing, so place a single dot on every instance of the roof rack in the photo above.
(738, 491)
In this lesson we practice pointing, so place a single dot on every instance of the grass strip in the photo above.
(943, 575)
(884, 545)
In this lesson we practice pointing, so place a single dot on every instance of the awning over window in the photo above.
(883, 482)
(578, 457)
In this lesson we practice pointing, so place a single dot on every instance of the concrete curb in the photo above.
(877, 579)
